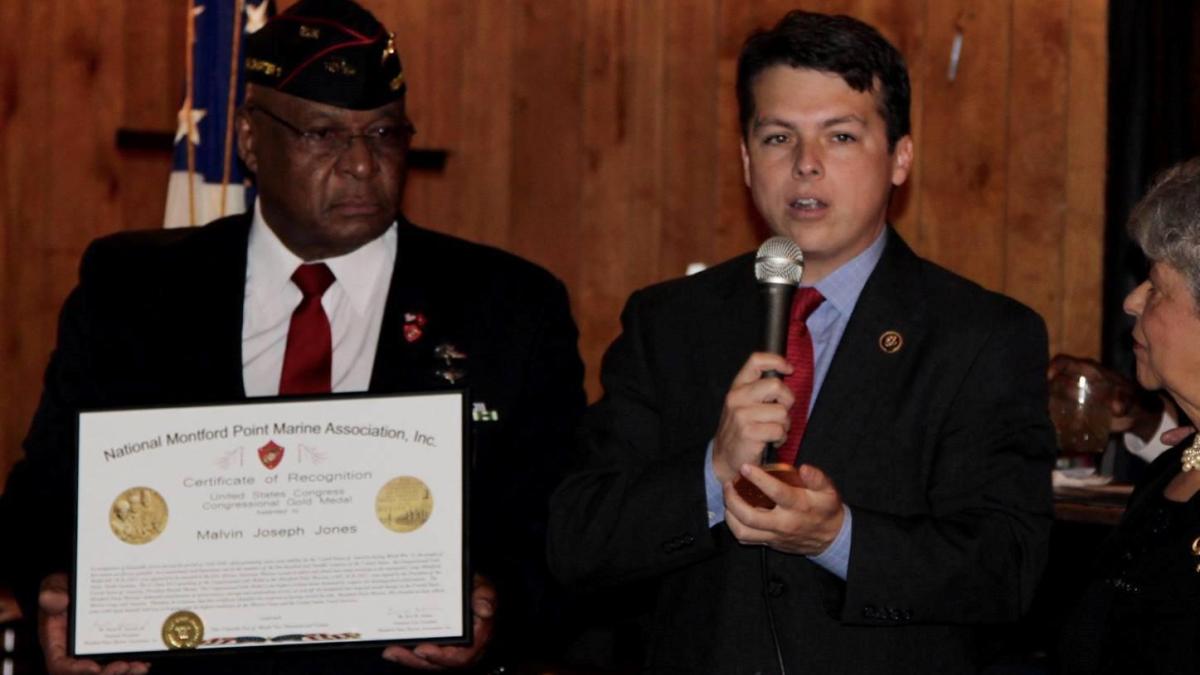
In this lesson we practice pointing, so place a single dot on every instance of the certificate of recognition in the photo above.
(279, 522)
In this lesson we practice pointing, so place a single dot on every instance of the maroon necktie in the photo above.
(307, 362)
(800, 356)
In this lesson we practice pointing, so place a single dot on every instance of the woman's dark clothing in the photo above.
(1141, 611)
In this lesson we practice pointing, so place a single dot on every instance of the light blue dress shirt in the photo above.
(841, 290)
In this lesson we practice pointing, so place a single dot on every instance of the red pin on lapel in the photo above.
(414, 325)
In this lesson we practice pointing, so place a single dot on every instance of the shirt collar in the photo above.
(842, 287)
(271, 263)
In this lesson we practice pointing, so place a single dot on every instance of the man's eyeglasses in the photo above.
(382, 139)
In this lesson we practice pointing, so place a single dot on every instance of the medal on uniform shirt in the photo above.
(454, 363)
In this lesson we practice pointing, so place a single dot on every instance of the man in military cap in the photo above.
(325, 287)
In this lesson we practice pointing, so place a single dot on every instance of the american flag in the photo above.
(206, 181)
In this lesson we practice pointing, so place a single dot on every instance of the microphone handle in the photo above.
(778, 299)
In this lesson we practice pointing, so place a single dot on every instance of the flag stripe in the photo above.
(231, 100)
(188, 101)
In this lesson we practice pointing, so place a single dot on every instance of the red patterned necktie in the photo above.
(308, 359)
(800, 356)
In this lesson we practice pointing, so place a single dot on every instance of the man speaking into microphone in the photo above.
(912, 404)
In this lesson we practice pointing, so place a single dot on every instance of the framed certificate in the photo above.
(323, 521)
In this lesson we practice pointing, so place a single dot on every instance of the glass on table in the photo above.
(1081, 408)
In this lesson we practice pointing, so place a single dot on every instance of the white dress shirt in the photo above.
(354, 305)
(1147, 451)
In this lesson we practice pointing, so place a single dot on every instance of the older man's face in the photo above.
(329, 179)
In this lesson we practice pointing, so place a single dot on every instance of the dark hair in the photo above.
(840, 45)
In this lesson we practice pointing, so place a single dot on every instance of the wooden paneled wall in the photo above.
(596, 137)
(71, 73)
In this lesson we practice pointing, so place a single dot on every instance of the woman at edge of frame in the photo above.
(1140, 612)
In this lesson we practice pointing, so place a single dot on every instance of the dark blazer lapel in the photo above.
(736, 333)
(211, 303)
(862, 371)
(405, 362)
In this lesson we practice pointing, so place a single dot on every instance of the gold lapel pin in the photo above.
(891, 342)
(1196, 546)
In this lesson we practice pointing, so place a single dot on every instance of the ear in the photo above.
(745, 162)
(902, 158)
(245, 139)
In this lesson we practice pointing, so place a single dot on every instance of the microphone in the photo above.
(778, 268)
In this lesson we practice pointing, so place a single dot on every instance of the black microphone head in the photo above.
(779, 261)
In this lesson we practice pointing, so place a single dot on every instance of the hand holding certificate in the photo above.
(430, 656)
(306, 522)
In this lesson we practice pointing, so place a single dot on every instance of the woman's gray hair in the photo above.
(1166, 222)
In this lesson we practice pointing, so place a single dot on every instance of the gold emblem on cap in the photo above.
(389, 49)
(398, 80)
(339, 66)
(265, 67)
(310, 32)
(182, 630)
(404, 504)
(138, 515)
(891, 342)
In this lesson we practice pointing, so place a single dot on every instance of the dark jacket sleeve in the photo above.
(631, 509)
(521, 468)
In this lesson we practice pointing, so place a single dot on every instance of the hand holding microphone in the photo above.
(758, 408)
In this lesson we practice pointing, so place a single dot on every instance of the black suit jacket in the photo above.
(157, 317)
(942, 450)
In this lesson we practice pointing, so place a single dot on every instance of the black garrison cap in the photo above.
(328, 51)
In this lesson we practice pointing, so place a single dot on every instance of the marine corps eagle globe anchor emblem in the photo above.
(270, 454)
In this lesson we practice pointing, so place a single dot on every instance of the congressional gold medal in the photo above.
(138, 515)
(403, 504)
(182, 630)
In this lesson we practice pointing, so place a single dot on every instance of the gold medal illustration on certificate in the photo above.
(403, 504)
(138, 515)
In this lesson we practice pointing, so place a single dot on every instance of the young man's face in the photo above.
(816, 160)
